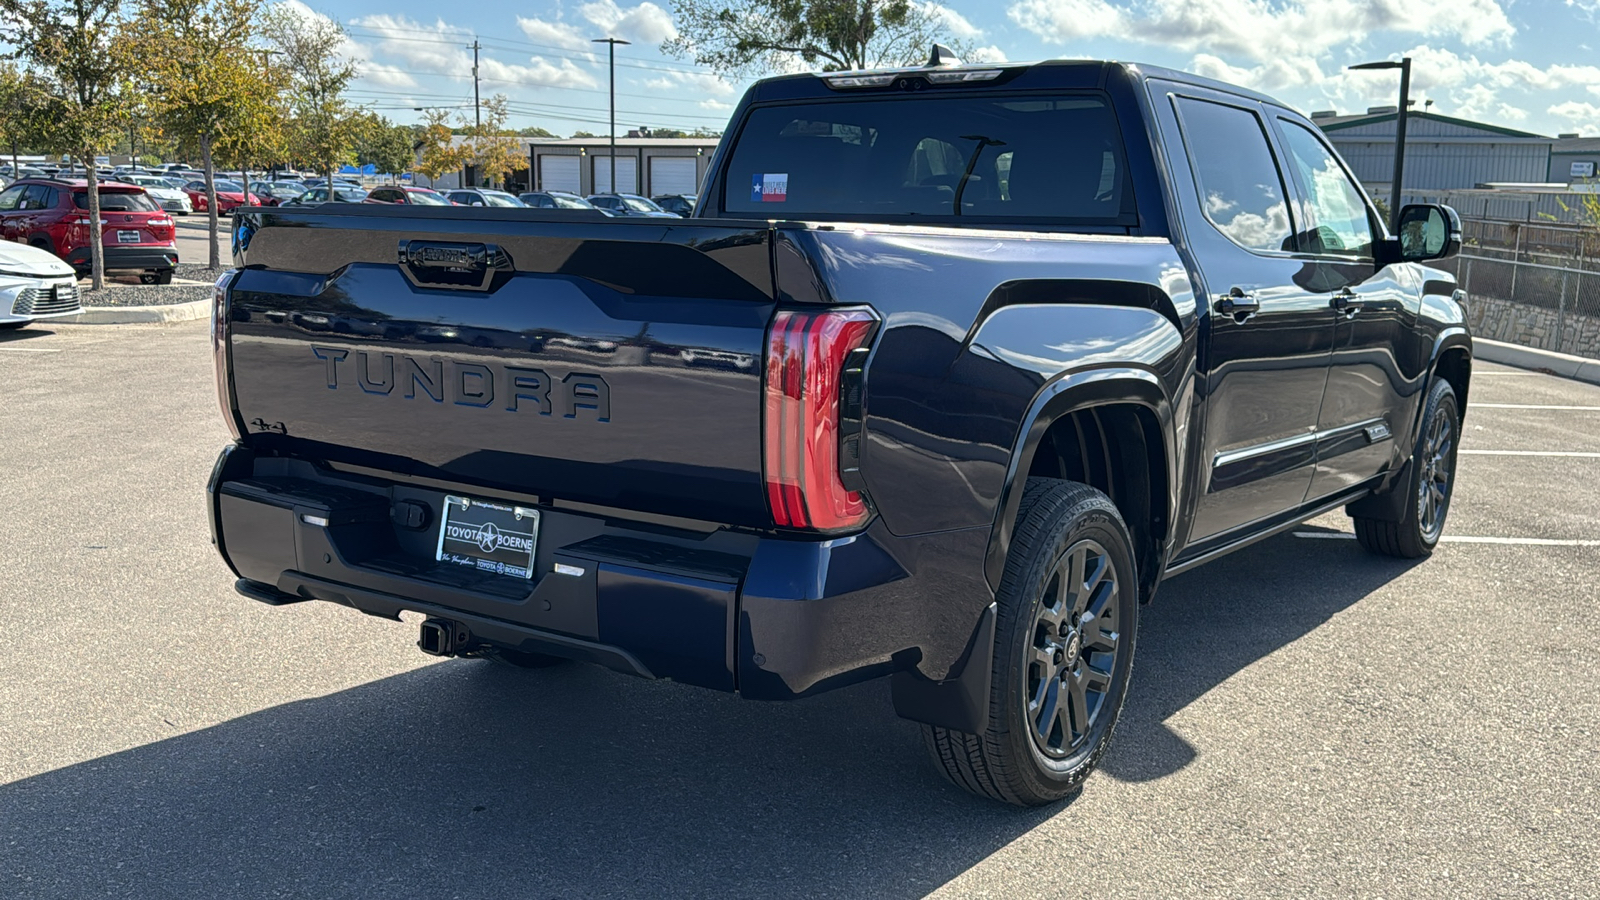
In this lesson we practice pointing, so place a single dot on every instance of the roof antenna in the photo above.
(943, 56)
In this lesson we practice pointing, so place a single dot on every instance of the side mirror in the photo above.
(1429, 231)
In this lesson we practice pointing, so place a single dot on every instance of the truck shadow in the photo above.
(1209, 623)
(469, 779)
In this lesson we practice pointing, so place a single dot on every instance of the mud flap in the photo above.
(960, 703)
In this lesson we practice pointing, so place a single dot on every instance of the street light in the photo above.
(611, 52)
(1404, 66)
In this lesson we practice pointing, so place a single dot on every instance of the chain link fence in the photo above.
(1537, 285)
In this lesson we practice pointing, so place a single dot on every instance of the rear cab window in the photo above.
(1053, 158)
(117, 201)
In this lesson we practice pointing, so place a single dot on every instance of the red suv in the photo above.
(53, 214)
(230, 196)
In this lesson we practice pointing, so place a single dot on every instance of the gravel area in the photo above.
(118, 294)
(196, 273)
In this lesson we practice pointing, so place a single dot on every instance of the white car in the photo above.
(34, 284)
(169, 198)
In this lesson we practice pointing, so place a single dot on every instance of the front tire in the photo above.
(1428, 488)
(1067, 616)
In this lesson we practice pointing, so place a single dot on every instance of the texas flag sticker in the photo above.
(769, 188)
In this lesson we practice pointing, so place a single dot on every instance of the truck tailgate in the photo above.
(593, 361)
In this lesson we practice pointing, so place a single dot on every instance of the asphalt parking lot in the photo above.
(1305, 720)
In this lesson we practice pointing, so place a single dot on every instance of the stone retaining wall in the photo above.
(1533, 326)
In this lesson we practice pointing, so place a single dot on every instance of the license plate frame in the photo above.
(129, 236)
(489, 536)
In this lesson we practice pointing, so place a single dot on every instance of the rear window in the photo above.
(1054, 159)
(117, 202)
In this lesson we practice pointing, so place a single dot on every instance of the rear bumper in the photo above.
(142, 256)
(767, 617)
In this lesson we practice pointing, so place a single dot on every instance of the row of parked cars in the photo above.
(48, 215)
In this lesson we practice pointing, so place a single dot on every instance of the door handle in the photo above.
(1348, 302)
(1239, 303)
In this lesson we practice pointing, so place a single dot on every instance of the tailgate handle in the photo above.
(452, 264)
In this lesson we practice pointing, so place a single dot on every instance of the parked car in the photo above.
(52, 214)
(273, 193)
(631, 205)
(1055, 333)
(407, 195)
(318, 196)
(484, 197)
(172, 199)
(677, 204)
(34, 284)
(555, 200)
(338, 182)
(230, 195)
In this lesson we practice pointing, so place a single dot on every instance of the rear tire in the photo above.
(1428, 488)
(1068, 611)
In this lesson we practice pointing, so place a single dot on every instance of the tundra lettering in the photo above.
(472, 384)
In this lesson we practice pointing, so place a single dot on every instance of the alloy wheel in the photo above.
(1433, 491)
(1073, 649)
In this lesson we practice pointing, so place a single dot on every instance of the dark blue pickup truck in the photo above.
(949, 369)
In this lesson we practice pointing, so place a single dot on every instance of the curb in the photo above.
(1566, 365)
(133, 315)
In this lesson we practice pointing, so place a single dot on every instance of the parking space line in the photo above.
(29, 350)
(1533, 406)
(1568, 453)
(1465, 539)
(1507, 374)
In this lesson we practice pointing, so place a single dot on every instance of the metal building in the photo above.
(1574, 160)
(1442, 153)
(649, 166)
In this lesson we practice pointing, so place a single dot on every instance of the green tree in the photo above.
(22, 110)
(203, 81)
(69, 45)
(385, 145)
(439, 153)
(533, 131)
(582, 134)
(488, 148)
(746, 37)
(325, 127)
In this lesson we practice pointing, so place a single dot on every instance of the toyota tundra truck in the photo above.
(950, 368)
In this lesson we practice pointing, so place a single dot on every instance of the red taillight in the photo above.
(807, 357)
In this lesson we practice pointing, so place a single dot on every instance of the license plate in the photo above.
(497, 538)
(128, 237)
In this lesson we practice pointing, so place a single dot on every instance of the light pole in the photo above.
(611, 53)
(1404, 66)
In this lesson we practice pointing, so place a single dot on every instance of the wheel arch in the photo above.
(1452, 361)
(1079, 427)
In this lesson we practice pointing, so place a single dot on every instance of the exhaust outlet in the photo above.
(441, 637)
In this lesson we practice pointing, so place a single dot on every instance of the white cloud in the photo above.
(692, 82)
(559, 34)
(955, 23)
(1261, 31)
(646, 23)
(1583, 117)
(715, 105)
(442, 49)
(989, 54)
(387, 75)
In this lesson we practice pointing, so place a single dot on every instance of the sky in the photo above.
(1525, 64)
